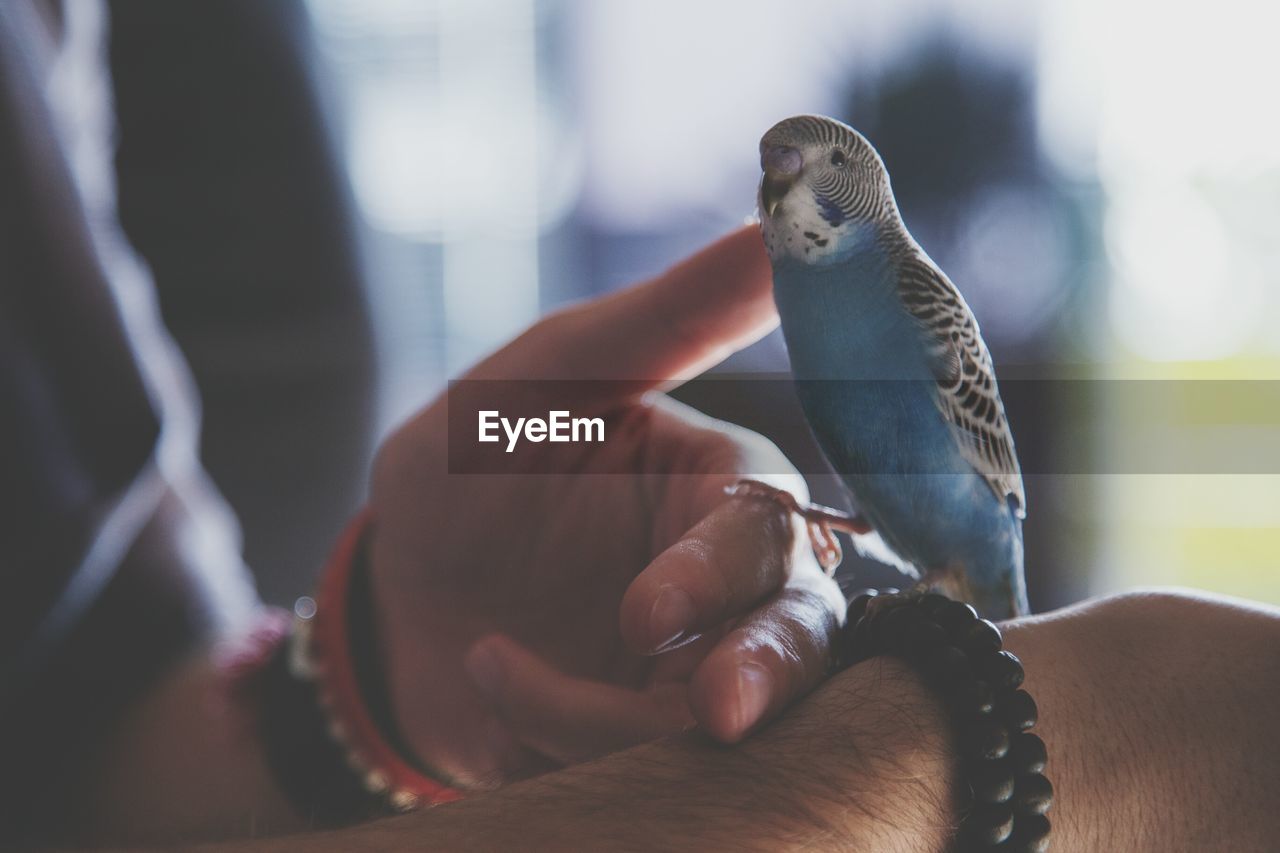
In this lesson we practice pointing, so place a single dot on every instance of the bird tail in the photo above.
(873, 547)
(1004, 599)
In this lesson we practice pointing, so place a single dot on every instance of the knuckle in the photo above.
(779, 533)
(708, 578)
(819, 612)
(787, 653)
(771, 532)
(799, 631)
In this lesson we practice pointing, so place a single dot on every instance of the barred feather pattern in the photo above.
(968, 395)
(858, 187)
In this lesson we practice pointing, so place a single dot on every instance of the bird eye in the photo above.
(837, 158)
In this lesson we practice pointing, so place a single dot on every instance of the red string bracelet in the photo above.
(383, 770)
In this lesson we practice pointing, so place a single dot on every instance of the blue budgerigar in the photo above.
(891, 369)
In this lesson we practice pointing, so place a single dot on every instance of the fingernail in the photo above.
(671, 617)
(755, 687)
(485, 670)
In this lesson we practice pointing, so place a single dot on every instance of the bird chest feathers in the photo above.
(846, 321)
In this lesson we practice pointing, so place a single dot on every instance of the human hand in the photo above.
(520, 613)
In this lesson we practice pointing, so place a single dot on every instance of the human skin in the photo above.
(520, 612)
(1156, 710)
(485, 584)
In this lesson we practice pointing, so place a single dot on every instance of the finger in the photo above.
(670, 327)
(566, 718)
(737, 556)
(774, 657)
(695, 459)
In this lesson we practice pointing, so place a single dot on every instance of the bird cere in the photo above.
(891, 370)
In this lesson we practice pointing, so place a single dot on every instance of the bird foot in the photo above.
(821, 521)
(949, 580)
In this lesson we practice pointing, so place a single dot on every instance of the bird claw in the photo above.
(820, 521)
(826, 547)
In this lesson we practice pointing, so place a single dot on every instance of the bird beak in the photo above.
(772, 191)
(781, 165)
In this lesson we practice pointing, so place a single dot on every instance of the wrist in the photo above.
(330, 645)
(421, 639)
(184, 762)
(1151, 703)
(892, 763)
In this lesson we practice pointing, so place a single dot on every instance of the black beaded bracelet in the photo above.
(961, 659)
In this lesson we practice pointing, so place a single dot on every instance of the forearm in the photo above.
(186, 763)
(861, 765)
(1155, 710)
(1158, 713)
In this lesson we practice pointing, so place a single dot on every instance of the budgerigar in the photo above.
(891, 370)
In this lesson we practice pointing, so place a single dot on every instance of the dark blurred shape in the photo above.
(957, 130)
(948, 122)
(106, 518)
(230, 188)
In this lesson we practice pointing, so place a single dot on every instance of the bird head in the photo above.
(823, 185)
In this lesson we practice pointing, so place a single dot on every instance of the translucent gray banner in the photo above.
(1061, 426)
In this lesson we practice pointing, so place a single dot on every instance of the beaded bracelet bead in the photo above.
(961, 658)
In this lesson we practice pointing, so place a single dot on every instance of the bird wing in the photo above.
(968, 396)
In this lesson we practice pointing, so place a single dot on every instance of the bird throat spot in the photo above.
(831, 211)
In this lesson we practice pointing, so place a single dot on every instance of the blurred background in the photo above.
(1101, 179)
